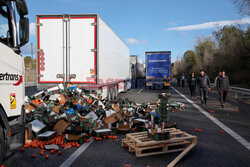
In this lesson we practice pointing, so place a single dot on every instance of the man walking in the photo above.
(203, 83)
(222, 87)
(192, 80)
(215, 82)
(178, 80)
(183, 80)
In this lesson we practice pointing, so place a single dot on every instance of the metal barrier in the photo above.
(237, 90)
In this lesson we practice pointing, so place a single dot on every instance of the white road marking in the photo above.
(140, 91)
(76, 154)
(237, 137)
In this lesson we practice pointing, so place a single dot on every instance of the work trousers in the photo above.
(203, 95)
(192, 91)
(183, 83)
(222, 96)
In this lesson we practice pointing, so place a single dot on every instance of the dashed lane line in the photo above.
(237, 137)
(140, 91)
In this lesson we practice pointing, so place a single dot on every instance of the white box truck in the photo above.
(81, 49)
(12, 114)
(137, 69)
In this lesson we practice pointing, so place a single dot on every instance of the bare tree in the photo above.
(243, 6)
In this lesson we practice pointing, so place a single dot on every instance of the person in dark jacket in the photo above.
(203, 83)
(215, 82)
(183, 80)
(192, 81)
(222, 86)
(178, 80)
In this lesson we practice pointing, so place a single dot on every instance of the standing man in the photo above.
(183, 80)
(203, 83)
(215, 82)
(192, 81)
(222, 87)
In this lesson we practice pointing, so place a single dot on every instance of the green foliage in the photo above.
(30, 63)
(190, 59)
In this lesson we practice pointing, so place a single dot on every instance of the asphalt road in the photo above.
(213, 148)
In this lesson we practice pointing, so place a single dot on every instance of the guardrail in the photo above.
(237, 90)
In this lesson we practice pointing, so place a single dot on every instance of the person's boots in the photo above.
(222, 105)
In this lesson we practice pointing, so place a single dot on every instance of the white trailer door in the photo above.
(50, 34)
(83, 49)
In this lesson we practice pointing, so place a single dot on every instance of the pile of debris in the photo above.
(68, 115)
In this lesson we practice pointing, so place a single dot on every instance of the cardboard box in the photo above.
(61, 126)
(56, 109)
(28, 132)
(46, 136)
(37, 126)
(116, 107)
(71, 137)
(120, 116)
(110, 120)
(123, 127)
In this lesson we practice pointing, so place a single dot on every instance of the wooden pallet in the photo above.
(143, 145)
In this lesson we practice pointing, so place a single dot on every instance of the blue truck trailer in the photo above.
(158, 69)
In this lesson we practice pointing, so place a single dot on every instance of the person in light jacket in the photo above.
(222, 86)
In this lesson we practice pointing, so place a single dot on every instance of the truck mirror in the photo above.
(21, 7)
(24, 31)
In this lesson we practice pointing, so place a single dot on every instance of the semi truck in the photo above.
(158, 69)
(12, 74)
(137, 69)
(81, 49)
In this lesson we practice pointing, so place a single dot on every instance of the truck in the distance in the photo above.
(12, 114)
(137, 68)
(81, 49)
(158, 69)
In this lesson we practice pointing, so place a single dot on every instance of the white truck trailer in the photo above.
(137, 69)
(11, 74)
(81, 49)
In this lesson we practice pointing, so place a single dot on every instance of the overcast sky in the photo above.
(148, 25)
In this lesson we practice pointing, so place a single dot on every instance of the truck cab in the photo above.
(11, 74)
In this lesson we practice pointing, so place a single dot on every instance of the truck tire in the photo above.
(2, 144)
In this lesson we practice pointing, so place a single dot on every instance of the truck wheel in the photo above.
(2, 144)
